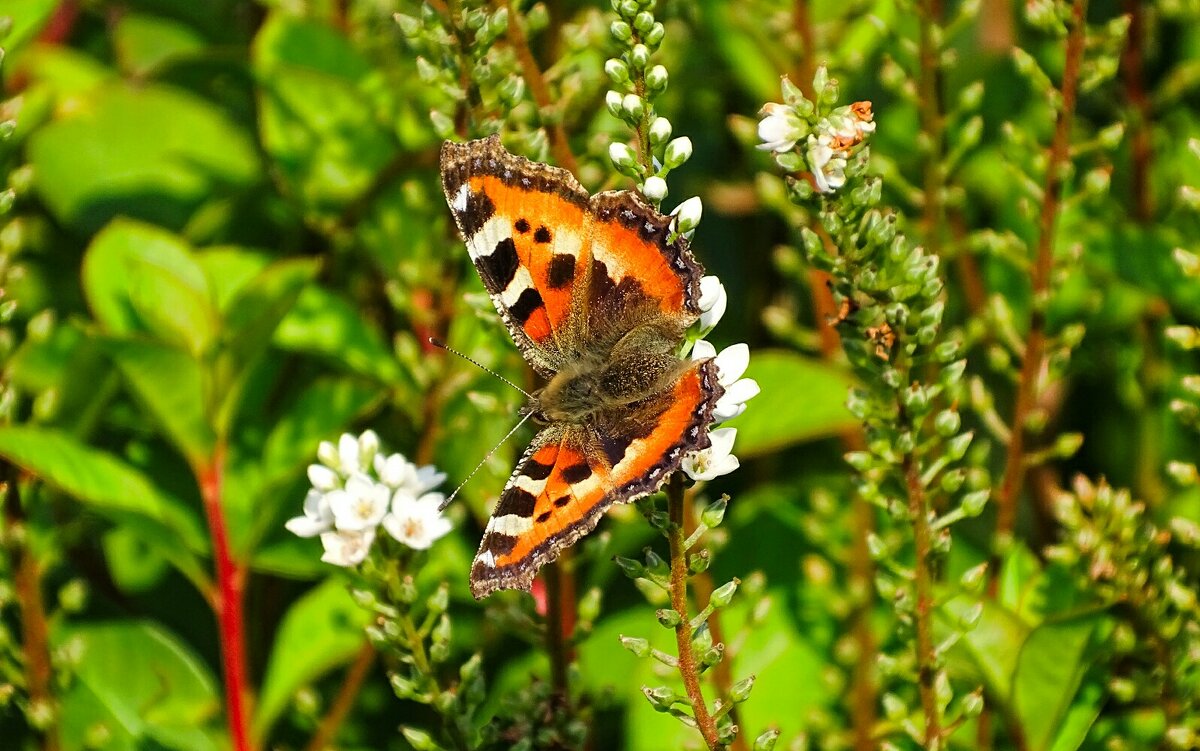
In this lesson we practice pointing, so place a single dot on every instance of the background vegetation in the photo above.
(967, 506)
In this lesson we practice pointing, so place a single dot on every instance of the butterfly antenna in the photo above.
(442, 345)
(483, 461)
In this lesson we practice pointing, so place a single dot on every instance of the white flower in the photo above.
(317, 516)
(713, 302)
(779, 129)
(731, 364)
(361, 505)
(687, 215)
(400, 474)
(714, 461)
(414, 521)
(348, 455)
(347, 548)
(828, 166)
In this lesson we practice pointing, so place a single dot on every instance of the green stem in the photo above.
(689, 668)
(918, 508)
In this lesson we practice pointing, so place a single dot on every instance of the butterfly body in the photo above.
(598, 294)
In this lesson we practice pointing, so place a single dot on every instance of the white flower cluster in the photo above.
(718, 458)
(356, 489)
(826, 145)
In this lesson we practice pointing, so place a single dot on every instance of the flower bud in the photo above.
(409, 26)
(621, 31)
(639, 57)
(612, 100)
(617, 71)
(643, 22)
(660, 131)
(637, 645)
(766, 741)
(633, 569)
(622, 156)
(973, 503)
(654, 189)
(947, 423)
(418, 739)
(656, 78)
(714, 513)
(632, 107)
(668, 618)
(678, 151)
(698, 563)
(740, 691)
(724, 593)
(655, 36)
(687, 215)
(662, 698)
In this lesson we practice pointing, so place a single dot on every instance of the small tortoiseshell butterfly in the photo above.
(598, 299)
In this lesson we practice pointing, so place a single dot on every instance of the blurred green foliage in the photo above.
(223, 240)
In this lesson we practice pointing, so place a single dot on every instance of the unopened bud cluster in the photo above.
(636, 84)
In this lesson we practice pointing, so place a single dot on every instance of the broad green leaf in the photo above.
(1081, 716)
(141, 683)
(249, 323)
(801, 399)
(27, 18)
(316, 119)
(169, 384)
(144, 42)
(229, 268)
(141, 279)
(97, 479)
(59, 72)
(1049, 669)
(147, 151)
(322, 323)
(134, 564)
(322, 630)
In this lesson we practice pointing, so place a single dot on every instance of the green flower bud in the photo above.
(974, 503)
(637, 645)
(643, 22)
(656, 78)
(639, 57)
(740, 691)
(766, 741)
(621, 31)
(972, 704)
(655, 35)
(617, 71)
(622, 156)
(668, 618)
(409, 26)
(633, 569)
(724, 593)
(632, 107)
(661, 698)
(678, 151)
(714, 513)
(947, 423)
(894, 708)
(660, 131)
(418, 739)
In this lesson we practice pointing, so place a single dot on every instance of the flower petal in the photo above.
(722, 441)
(346, 549)
(703, 350)
(348, 454)
(304, 526)
(741, 391)
(323, 478)
(724, 411)
(732, 362)
(429, 478)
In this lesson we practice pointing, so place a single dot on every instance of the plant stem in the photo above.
(805, 66)
(923, 615)
(556, 136)
(227, 602)
(689, 669)
(35, 633)
(1135, 92)
(346, 697)
(1035, 342)
(930, 111)
(558, 627)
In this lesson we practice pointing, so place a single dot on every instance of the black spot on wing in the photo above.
(543, 516)
(517, 502)
(576, 473)
(522, 225)
(478, 211)
(499, 268)
(561, 271)
(529, 301)
(535, 470)
(614, 447)
(563, 501)
(542, 235)
(498, 544)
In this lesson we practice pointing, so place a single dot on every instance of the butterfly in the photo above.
(597, 293)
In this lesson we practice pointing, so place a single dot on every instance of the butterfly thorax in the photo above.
(634, 370)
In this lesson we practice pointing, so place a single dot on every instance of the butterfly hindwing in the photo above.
(572, 474)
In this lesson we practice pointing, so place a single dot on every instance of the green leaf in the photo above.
(801, 399)
(322, 323)
(144, 42)
(28, 17)
(141, 279)
(990, 649)
(99, 480)
(229, 268)
(317, 121)
(146, 151)
(1080, 718)
(250, 320)
(170, 386)
(142, 684)
(1048, 674)
(322, 630)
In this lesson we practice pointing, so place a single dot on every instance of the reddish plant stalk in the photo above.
(1035, 342)
(1135, 91)
(227, 603)
(346, 697)
(918, 508)
(689, 668)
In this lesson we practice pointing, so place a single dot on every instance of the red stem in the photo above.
(227, 603)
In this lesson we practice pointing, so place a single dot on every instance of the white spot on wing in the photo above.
(487, 559)
(460, 198)
(510, 525)
(530, 485)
